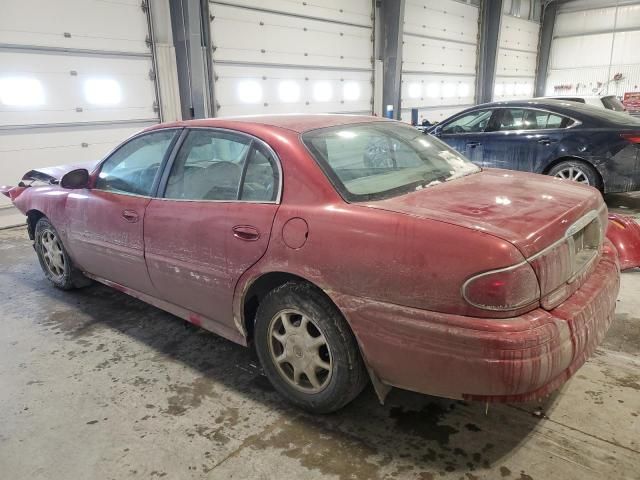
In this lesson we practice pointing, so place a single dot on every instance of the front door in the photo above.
(465, 134)
(105, 229)
(213, 221)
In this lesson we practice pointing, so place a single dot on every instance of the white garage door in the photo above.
(279, 56)
(76, 78)
(591, 46)
(517, 56)
(440, 46)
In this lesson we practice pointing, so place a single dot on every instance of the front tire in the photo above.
(576, 171)
(54, 259)
(307, 350)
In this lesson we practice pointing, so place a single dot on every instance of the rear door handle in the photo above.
(473, 144)
(546, 141)
(130, 216)
(246, 232)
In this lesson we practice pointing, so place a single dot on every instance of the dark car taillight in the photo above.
(631, 137)
(504, 289)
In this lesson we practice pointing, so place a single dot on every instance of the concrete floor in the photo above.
(95, 384)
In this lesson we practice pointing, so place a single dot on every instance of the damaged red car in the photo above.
(345, 248)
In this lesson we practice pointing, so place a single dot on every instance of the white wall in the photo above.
(591, 45)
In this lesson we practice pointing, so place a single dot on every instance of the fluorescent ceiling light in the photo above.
(289, 91)
(322, 92)
(351, 91)
(21, 92)
(249, 91)
(102, 91)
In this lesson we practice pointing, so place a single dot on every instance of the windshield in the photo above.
(378, 160)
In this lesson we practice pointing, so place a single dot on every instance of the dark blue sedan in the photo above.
(554, 137)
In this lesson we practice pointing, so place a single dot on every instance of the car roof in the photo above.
(299, 123)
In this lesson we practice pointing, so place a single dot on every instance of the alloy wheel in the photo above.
(300, 351)
(52, 254)
(573, 173)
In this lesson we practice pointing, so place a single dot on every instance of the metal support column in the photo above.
(391, 30)
(544, 48)
(188, 38)
(490, 15)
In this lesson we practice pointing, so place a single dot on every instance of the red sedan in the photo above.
(345, 248)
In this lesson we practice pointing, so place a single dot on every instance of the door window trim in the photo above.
(156, 181)
(253, 140)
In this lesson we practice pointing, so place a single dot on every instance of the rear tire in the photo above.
(54, 259)
(577, 171)
(307, 350)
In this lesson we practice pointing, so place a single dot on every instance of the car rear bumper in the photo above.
(498, 360)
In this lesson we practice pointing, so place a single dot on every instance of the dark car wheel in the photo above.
(307, 349)
(54, 260)
(576, 171)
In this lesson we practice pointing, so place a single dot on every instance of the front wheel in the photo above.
(576, 171)
(54, 260)
(307, 349)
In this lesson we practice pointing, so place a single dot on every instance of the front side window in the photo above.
(472, 122)
(378, 160)
(134, 166)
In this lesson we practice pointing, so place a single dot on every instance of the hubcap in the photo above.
(299, 351)
(52, 253)
(573, 173)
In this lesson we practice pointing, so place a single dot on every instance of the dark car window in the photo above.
(551, 120)
(208, 166)
(383, 159)
(507, 119)
(472, 122)
(134, 166)
(613, 103)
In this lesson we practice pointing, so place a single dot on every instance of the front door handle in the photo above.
(130, 216)
(246, 232)
(473, 144)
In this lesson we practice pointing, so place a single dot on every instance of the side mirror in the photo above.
(75, 179)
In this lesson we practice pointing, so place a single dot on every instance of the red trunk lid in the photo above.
(530, 211)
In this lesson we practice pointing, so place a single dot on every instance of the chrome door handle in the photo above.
(246, 232)
(473, 144)
(130, 216)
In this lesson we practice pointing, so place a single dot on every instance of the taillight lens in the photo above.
(631, 137)
(504, 289)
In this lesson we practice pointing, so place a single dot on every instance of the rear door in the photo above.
(220, 195)
(105, 227)
(465, 132)
(523, 139)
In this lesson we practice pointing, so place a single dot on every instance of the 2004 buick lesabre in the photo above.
(346, 248)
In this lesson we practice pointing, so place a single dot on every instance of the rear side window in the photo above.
(133, 167)
(550, 120)
(526, 119)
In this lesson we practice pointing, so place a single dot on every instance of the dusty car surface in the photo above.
(344, 248)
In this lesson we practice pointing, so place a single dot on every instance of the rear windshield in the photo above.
(612, 103)
(378, 160)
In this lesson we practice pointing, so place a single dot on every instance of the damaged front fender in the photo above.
(624, 232)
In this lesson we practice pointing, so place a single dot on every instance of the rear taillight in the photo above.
(631, 137)
(505, 289)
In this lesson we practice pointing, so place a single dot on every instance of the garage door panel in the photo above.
(249, 90)
(520, 34)
(257, 37)
(25, 149)
(625, 48)
(81, 24)
(446, 19)
(583, 51)
(425, 54)
(355, 11)
(77, 88)
(515, 62)
(435, 90)
(510, 88)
